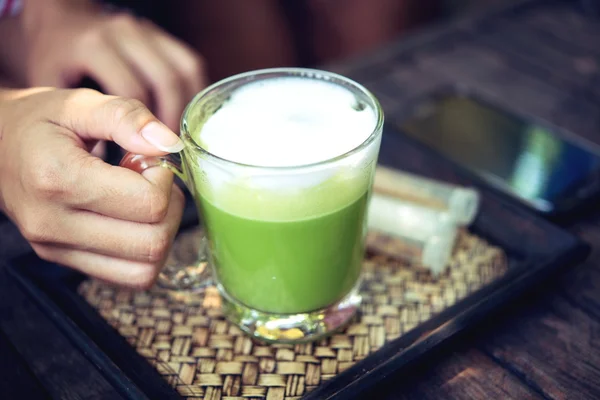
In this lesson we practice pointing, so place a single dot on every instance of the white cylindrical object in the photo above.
(460, 203)
(437, 250)
(427, 235)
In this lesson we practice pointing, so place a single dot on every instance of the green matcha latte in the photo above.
(284, 193)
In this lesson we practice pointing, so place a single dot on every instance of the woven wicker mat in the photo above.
(203, 356)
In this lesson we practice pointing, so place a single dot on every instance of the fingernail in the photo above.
(161, 137)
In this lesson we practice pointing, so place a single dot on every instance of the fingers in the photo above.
(93, 116)
(124, 239)
(59, 171)
(133, 59)
(87, 232)
(121, 193)
(111, 269)
(134, 45)
(161, 179)
(189, 65)
(102, 62)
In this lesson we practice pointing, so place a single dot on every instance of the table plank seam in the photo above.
(517, 374)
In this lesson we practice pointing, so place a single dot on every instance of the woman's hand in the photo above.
(67, 40)
(76, 210)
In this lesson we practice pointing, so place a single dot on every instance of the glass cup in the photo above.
(284, 244)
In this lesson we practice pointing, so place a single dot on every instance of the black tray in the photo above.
(535, 249)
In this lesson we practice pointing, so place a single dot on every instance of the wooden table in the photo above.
(544, 60)
(540, 59)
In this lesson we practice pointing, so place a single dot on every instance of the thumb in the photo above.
(127, 122)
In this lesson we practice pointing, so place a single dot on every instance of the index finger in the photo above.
(94, 116)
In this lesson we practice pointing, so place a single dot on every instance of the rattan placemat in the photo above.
(203, 356)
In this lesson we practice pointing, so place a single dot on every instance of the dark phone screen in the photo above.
(528, 160)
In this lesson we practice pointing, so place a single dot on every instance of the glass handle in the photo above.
(180, 273)
(140, 163)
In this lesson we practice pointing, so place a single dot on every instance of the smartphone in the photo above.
(528, 160)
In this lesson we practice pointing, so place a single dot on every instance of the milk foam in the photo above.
(283, 122)
(289, 121)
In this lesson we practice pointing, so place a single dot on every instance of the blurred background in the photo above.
(239, 35)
